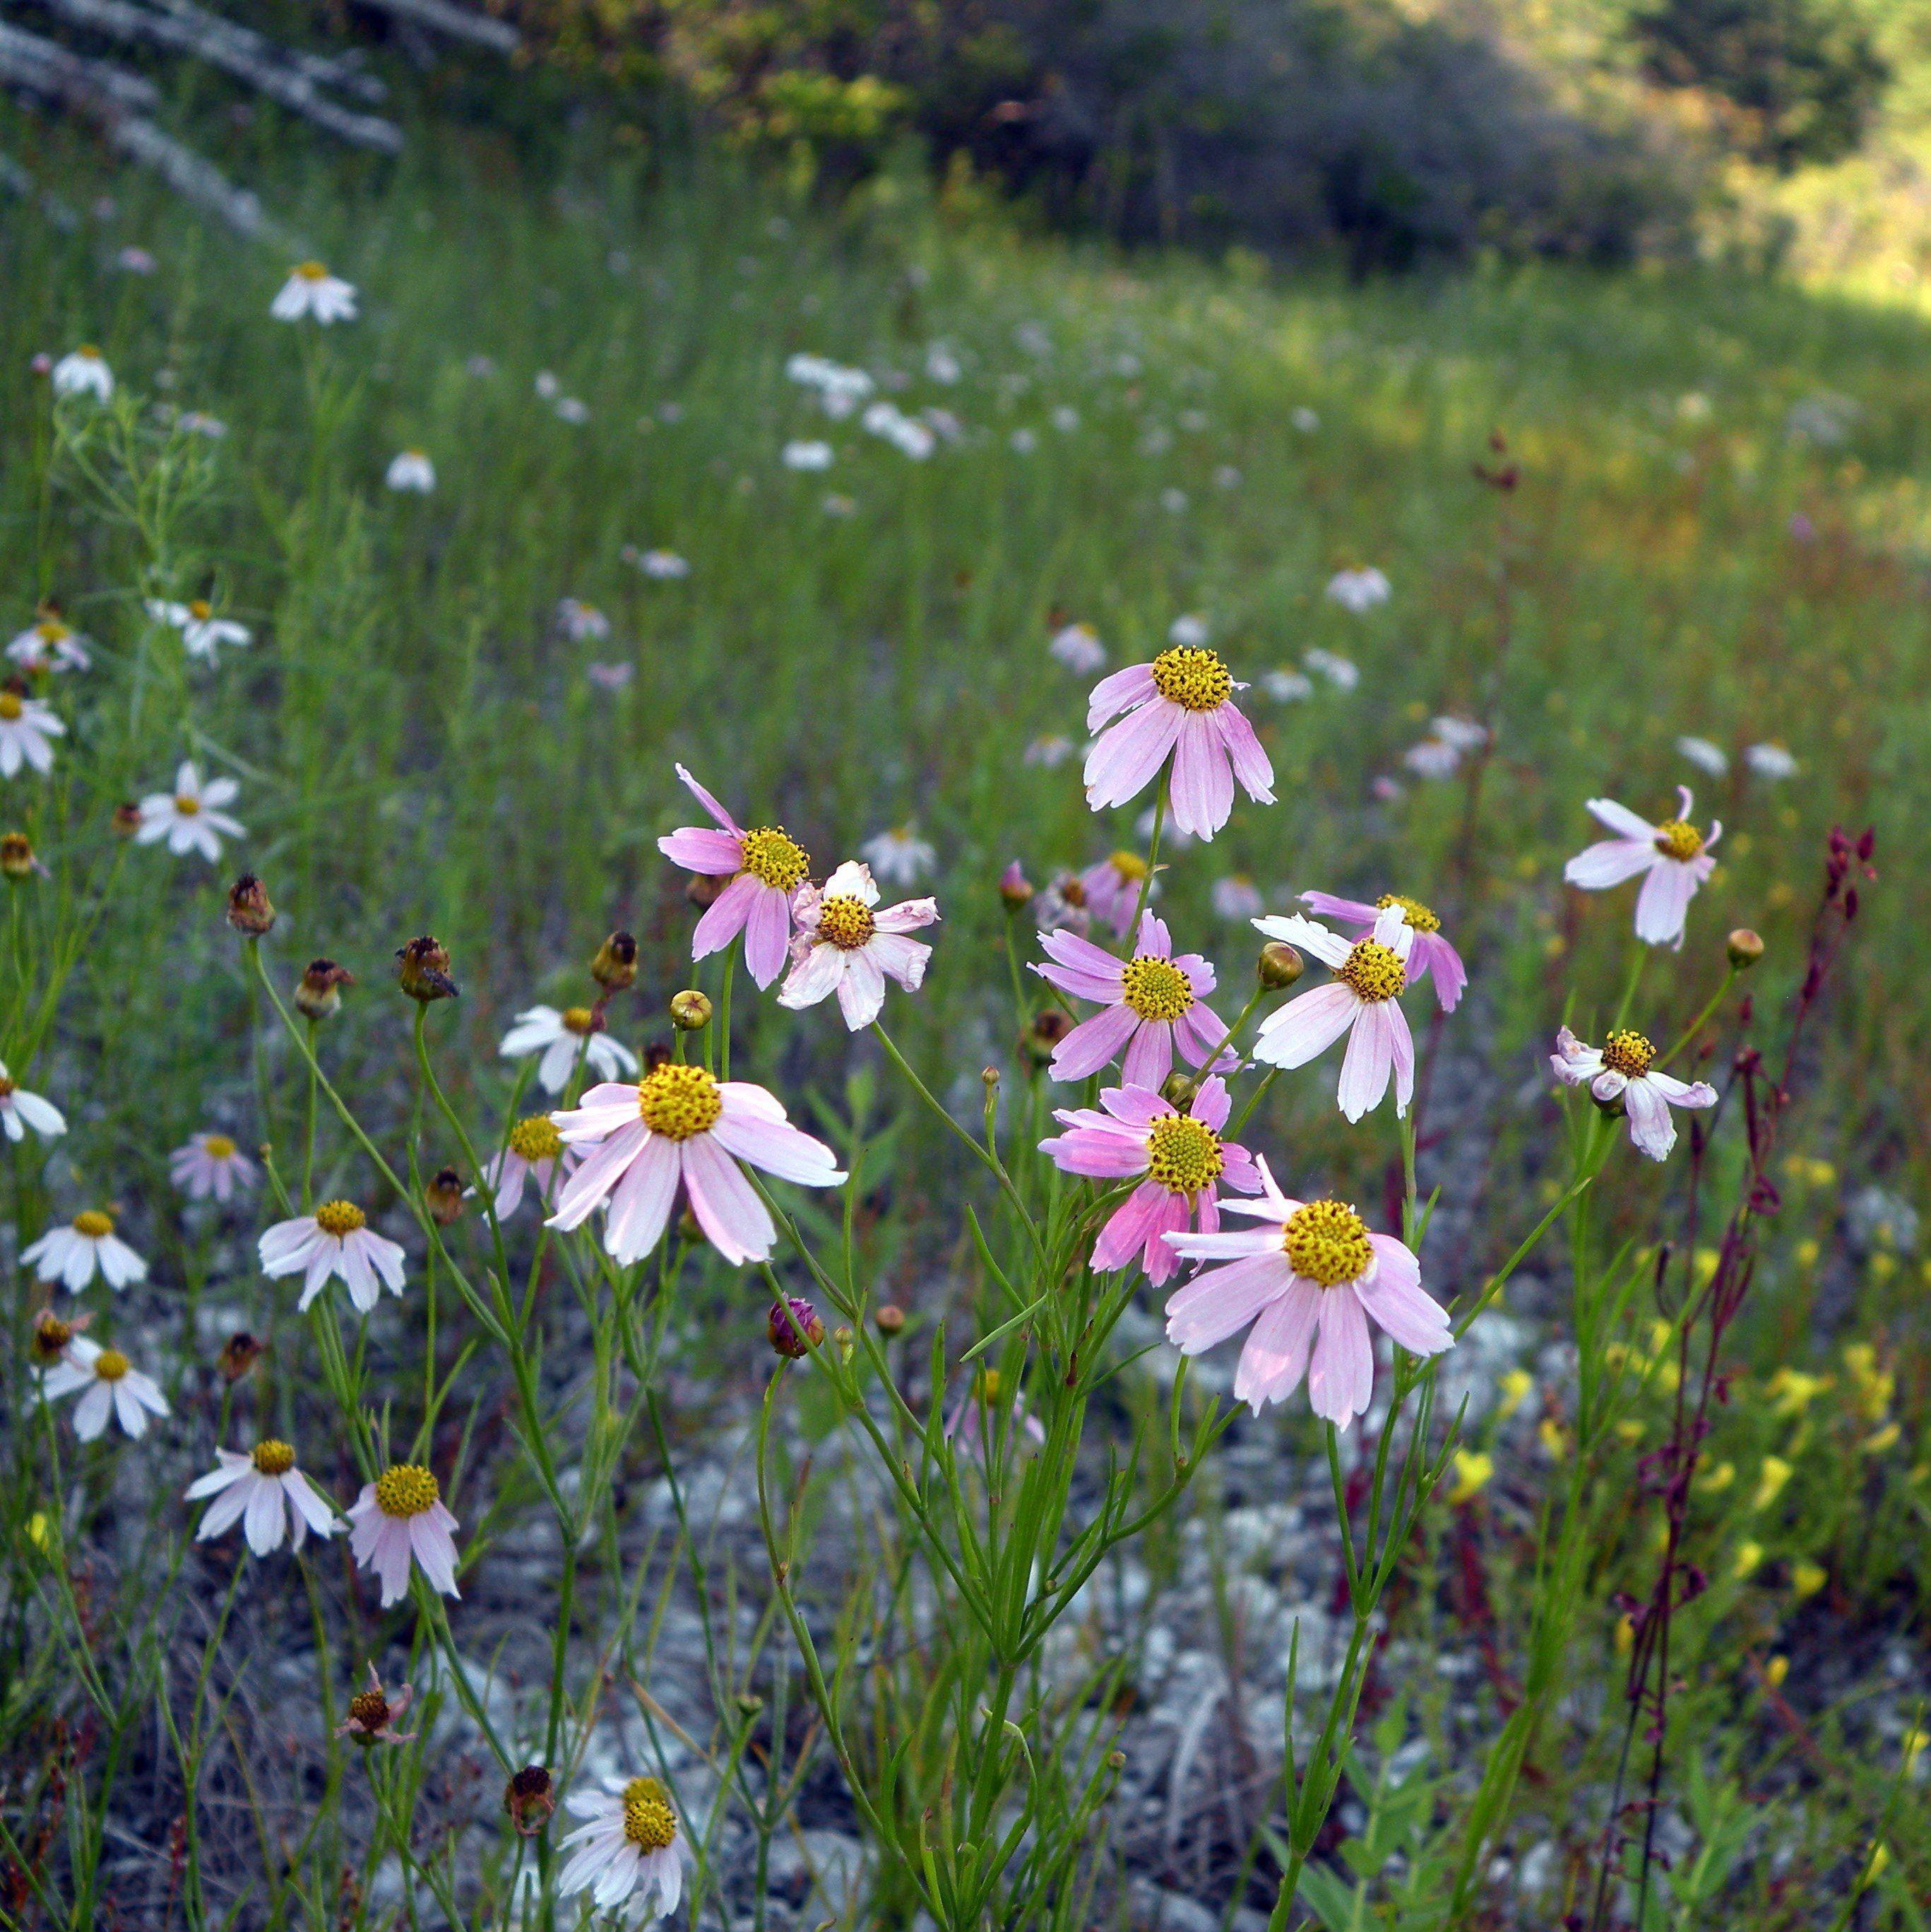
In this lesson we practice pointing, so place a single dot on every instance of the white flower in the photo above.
(113, 1388)
(609, 676)
(84, 372)
(559, 1037)
(1055, 748)
(907, 433)
(202, 633)
(1674, 858)
(410, 469)
(198, 422)
(1023, 442)
(628, 1843)
(265, 1493)
(210, 1164)
(134, 261)
(1704, 755)
(1304, 419)
(572, 409)
(1358, 590)
(663, 565)
(399, 1516)
(843, 946)
(941, 365)
(1078, 648)
(840, 390)
(20, 1110)
(1462, 734)
(189, 818)
(25, 726)
(1287, 687)
(335, 1240)
(1189, 630)
(1771, 761)
(1065, 418)
(1342, 673)
(547, 386)
(1619, 1069)
(70, 1255)
(1432, 759)
(582, 623)
(48, 644)
(310, 289)
(1226, 477)
(1237, 897)
(1173, 501)
(808, 456)
(534, 1152)
(899, 857)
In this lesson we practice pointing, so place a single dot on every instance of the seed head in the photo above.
(1745, 948)
(318, 993)
(423, 969)
(529, 1798)
(690, 1010)
(127, 820)
(239, 1354)
(16, 855)
(249, 911)
(1050, 1025)
(442, 1195)
(793, 1327)
(615, 966)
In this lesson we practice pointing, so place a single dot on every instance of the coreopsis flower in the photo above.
(666, 566)
(965, 1421)
(765, 866)
(84, 372)
(1428, 952)
(582, 623)
(410, 471)
(401, 1517)
(1078, 648)
(1344, 674)
(1188, 629)
(560, 1037)
(1151, 1004)
(202, 633)
(335, 1240)
(1287, 687)
(373, 1715)
(311, 290)
(71, 1256)
(26, 725)
(110, 1386)
(1309, 1276)
(627, 1844)
(679, 1125)
(535, 1152)
(1432, 759)
(843, 945)
(1180, 1159)
(49, 644)
(265, 1493)
(1618, 1071)
(1674, 858)
(190, 818)
(899, 857)
(807, 454)
(1364, 999)
(1048, 752)
(1704, 755)
(20, 1110)
(210, 1164)
(1771, 761)
(1358, 591)
(572, 409)
(1113, 889)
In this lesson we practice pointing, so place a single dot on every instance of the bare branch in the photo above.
(48, 67)
(344, 71)
(442, 17)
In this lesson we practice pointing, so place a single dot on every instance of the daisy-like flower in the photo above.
(765, 866)
(1358, 591)
(1179, 1159)
(20, 1110)
(210, 1164)
(843, 945)
(535, 1152)
(1287, 687)
(310, 289)
(1704, 755)
(628, 1844)
(265, 1493)
(1078, 648)
(1771, 761)
(49, 644)
(1344, 674)
(373, 1715)
(1363, 999)
(84, 372)
(113, 1388)
(26, 725)
(1182, 702)
(666, 566)
(190, 818)
(1308, 1276)
(1152, 1003)
(808, 454)
(70, 1255)
(202, 633)
(899, 857)
(1617, 1073)
(1674, 858)
(335, 1240)
(1236, 896)
(1112, 889)
(1432, 758)
(678, 1124)
(410, 470)
(560, 1036)
(582, 623)
(399, 1516)
(1428, 952)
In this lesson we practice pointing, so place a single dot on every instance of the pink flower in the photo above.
(843, 945)
(1619, 1069)
(1363, 998)
(1180, 703)
(1112, 889)
(1308, 1278)
(1674, 856)
(399, 1518)
(1152, 1002)
(766, 866)
(1427, 951)
(679, 1124)
(1181, 1157)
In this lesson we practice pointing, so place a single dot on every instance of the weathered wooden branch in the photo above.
(344, 71)
(460, 23)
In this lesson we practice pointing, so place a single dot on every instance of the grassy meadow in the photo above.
(1611, 512)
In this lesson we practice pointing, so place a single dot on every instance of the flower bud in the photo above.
(1050, 1026)
(988, 1077)
(690, 1010)
(1744, 947)
(127, 820)
(689, 1227)
(528, 1799)
(239, 1354)
(442, 1195)
(889, 1318)
(316, 993)
(615, 966)
(16, 855)
(1178, 1089)
(1279, 965)
(1015, 888)
(422, 969)
(749, 1703)
(249, 911)
(793, 1327)
(846, 1343)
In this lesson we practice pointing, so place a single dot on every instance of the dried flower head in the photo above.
(615, 966)
(373, 1715)
(239, 1354)
(249, 911)
(16, 855)
(422, 969)
(126, 821)
(442, 1195)
(318, 993)
(529, 1798)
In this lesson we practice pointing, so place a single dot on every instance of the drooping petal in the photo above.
(1341, 1376)
(1651, 1130)
(1307, 1025)
(1610, 861)
(1250, 763)
(767, 933)
(698, 848)
(1132, 685)
(725, 917)
(1202, 786)
(1221, 1301)
(640, 1202)
(1663, 903)
(1130, 754)
(1275, 1356)
(1392, 1294)
(726, 1205)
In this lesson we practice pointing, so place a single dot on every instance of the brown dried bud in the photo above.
(793, 1327)
(1279, 965)
(1744, 947)
(422, 969)
(127, 820)
(690, 1010)
(16, 855)
(316, 993)
(1050, 1026)
(239, 1354)
(249, 911)
(702, 889)
(889, 1318)
(442, 1195)
(51, 1337)
(528, 1799)
(656, 1054)
(615, 966)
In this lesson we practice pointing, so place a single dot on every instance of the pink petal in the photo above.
(1133, 1224)
(1203, 780)
(726, 1205)
(775, 1145)
(1250, 763)
(710, 803)
(1114, 692)
(1433, 954)
(1352, 912)
(1127, 758)
(1341, 1378)
(1622, 821)
(600, 1173)
(1392, 1294)
(1222, 1301)
(724, 918)
(1212, 1103)
(1150, 1054)
(1156, 941)
(698, 849)
(1664, 902)
(767, 937)
(1610, 862)
(1094, 1042)
(1651, 1129)
(640, 1202)
(1099, 1155)
(1307, 1025)
(1275, 1356)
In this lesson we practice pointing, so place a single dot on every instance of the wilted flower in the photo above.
(202, 633)
(84, 372)
(422, 969)
(71, 1254)
(49, 644)
(26, 724)
(410, 470)
(443, 1194)
(1359, 591)
(210, 1164)
(561, 1037)
(1673, 857)
(399, 1516)
(266, 1494)
(373, 1714)
(629, 1844)
(112, 1387)
(20, 1110)
(1015, 889)
(843, 945)
(190, 818)
(239, 1354)
(765, 866)
(614, 965)
(528, 1799)
(318, 993)
(1618, 1071)
(335, 1240)
(310, 289)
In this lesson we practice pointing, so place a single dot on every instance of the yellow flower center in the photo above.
(7, 1087)
(579, 1020)
(87, 352)
(273, 1457)
(1327, 1242)
(1195, 680)
(535, 1138)
(51, 630)
(96, 1223)
(678, 1102)
(311, 271)
(1128, 866)
(774, 858)
(406, 1489)
(369, 1708)
(110, 1365)
(51, 1336)
(200, 610)
(1183, 1154)
(186, 804)
(1627, 1053)
(846, 922)
(1420, 918)
(1677, 839)
(217, 1147)
(340, 1218)
(648, 1820)
(1156, 989)
(11, 706)
(1375, 971)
